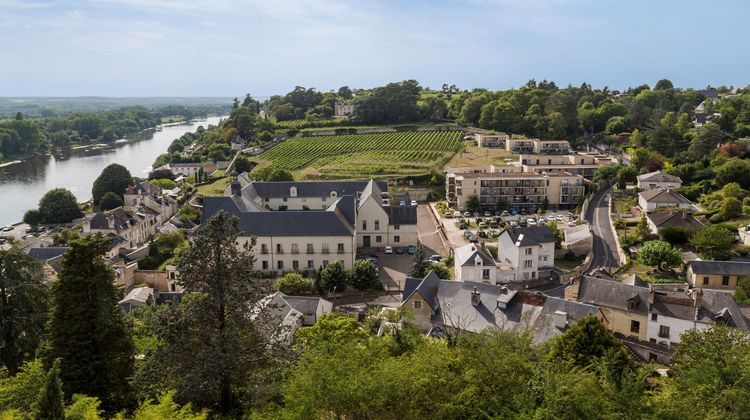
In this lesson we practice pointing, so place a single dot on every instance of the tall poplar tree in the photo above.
(51, 404)
(87, 329)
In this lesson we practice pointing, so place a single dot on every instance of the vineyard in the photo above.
(365, 155)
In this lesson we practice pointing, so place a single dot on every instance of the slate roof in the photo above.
(577, 234)
(427, 288)
(47, 253)
(466, 255)
(281, 314)
(715, 306)
(674, 219)
(658, 176)
(612, 294)
(283, 223)
(144, 188)
(401, 215)
(311, 189)
(723, 268)
(530, 235)
(662, 195)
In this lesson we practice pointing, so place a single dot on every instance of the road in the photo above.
(427, 231)
(605, 253)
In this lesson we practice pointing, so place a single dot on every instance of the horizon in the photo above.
(225, 48)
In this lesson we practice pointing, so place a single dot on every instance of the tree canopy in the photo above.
(115, 178)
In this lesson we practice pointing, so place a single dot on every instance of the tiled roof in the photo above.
(662, 195)
(724, 268)
(674, 219)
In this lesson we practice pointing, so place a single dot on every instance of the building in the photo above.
(134, 228)
(473, 263)
(515, 190)
(310, 195)
(578, 239)
(651, 200)
(658, 179)
(237, 143)
(522, 145)
(584, 164)
(722, 275)
(343, 109)
(51, 258)
(380, 225)
(529, 251)
(672, 218)
(437, 306)
(138, 297)
(147, 195)
(280, 315)
(499, 140)
(185, 169)
(293, 240)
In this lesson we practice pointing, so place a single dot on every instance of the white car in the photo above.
(560, 218)
(403, 203)
(456, 214)
(413, 202)
(388, 250)
(7, 228)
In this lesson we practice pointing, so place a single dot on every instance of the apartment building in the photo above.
(577, 164)
(522, 145)
(515, 190)
(130, 228)
(722, 275)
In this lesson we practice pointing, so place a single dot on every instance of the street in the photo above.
(427, 231)
(605, 253)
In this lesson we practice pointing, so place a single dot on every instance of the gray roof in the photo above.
(530, 235)
(47, 253)
(284, 223)
(613, 294)
(661, 195)
(724, 268)
(674, 219)
(465, 255)
(715, 306)
(311, 189)
(427, 288)
(401, 215)
(658, 177)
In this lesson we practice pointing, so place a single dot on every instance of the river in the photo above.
(23, 184)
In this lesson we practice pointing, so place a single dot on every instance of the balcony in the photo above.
(340, 251)
(325, 251)
(264, 250)
(295, 251)
(310, 251)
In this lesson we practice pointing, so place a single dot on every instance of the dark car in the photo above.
(399, 250)
(482, 234)
(411, 249)
(462, 226)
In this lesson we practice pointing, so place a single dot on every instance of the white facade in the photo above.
(526, 261)
(301, 253)
(375, 229)
(673, 327)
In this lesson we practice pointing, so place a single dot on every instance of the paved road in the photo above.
(427, 230)
(605, 248)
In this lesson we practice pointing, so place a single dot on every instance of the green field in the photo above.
(364, 155)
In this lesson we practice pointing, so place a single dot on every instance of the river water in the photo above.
(23, 184)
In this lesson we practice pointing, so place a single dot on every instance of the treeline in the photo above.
(23, 136)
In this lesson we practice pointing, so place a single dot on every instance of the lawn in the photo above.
(216, 188)
(622, 205)
(647, 274)
(361, 156)
(566, 264)
(472, 155)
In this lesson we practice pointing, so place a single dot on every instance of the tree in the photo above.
(242, 164)
(663, 84)
(473, 204)
(210, 344)
(730, 208)
(114, 178)
(441, 270)
(164, 184)
(87, 329)
(110, 201)
(19, 116)
(642, 231)
(345, 92)
(84, 407)
(557, 233)
(293, 284)
(32, 217)
(364, 276)
(607, 173)
(675, 235)
(58, 206)
(734, 170)
(23, 307)
(51, 404)
(419, 268)
(660, 254)
(166, 408)
(714, 242)
(162, 174)
(21, 391)
(332, 277)
(586, 341)
(708, 139)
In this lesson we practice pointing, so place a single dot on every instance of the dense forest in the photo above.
(22, 136)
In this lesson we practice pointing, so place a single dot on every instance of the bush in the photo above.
(332, 277)
(293, 284)
(730, 208)
(675, 234)
(164, 183)
(162, 174)
(716, 218)
(110, 201)
(365, 276)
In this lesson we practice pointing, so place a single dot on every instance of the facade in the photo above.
(303, 195)
(380, 225)
(515, 190)
(522, 145)
(133, 228)
(528, 251)
(499, 141)
(185, 169)
(473, 263)
(343, 109)
(721, 275)
(672, 218)
(657, 180)
(578, 239)
(448, 305)
(150, 196)
(651, 200)
(577, 164)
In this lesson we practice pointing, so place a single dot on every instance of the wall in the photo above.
(422, 316)
(714, 280)
(618, 320)
(676, 328)
(302, 257)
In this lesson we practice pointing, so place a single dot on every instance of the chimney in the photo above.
(684, 215)
(561, 319)
(475, 297)
(651, 294)
(503, 290)
(235, 185)
(697, 295)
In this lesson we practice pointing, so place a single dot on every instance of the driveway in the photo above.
(428, 233)
(393, 270)
(605, 253)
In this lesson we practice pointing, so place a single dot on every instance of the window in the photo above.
(265, 265)
(324, 248)
(377, 225)
(528, 251)
(364, 225)
(378, 239)
(417, 304)
(279, 249)
(295, 265)
(283, 199)
(310, 264)
(396, 227)
(264, 249)
(705, 280)
(663, 331)
(295, 249)
(340, 248)
(635, 326)
(632, 304)
(725, 280)
(527, 264)
(485, 274)
(310, 249)
(396, 238)
(325, 263)
(654, 317)
(280, 265)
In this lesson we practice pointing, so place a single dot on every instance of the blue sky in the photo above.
(229, 47)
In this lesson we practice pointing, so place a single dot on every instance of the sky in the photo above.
(266, 47)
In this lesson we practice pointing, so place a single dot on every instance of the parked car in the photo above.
(462, 226)
(436, 257)
(482, 225)
(7, 228)
(402, 203)
(505, 213)
(413, 202)
(513, 212)
(476, 214)
(456, 214)
(2, 241)
(448, 215)
(473, 239)
(388, 250)
(482, 234)
(467, 232)
(532, 222)
(560, 218)
(487, 214)
(513, 224)
(467, 214)
(399, 250)
(411, 249)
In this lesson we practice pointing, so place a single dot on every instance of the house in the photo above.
(578, 239)
(722, 275)
(280, 315)
(343, 109)
(515, 190)
(292, 240)
(51, 258)
(672, 218)
(133, 227)
(380, 225)
(529, 251)
(308, 195)
(499, 140)
(658, 180)
(473, 263)
(138, 297)
(583, 164)
(436, 306)
(150, 196)
(744, 233)
(186, 169)
(651, 200)
(237, 142)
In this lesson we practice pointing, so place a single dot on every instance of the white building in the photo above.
(150, 196)
(658, 179)
(529, 251)
(186, 169)
(343, 109)
(473, 263)
(651, 200)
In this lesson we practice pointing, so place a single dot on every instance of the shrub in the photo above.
(365, 276)
(332, 277)
(293, 284)
(660, 254)
(164, 183)
(162, 174)
(730, 208)
(110, 201)
(675, 234)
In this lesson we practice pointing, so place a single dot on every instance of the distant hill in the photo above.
(51, 106)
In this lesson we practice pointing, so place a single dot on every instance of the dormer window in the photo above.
(632, 304)
(333, 194)
(293, 191)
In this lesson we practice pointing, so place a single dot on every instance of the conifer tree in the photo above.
(51, 405)
(87, 329)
